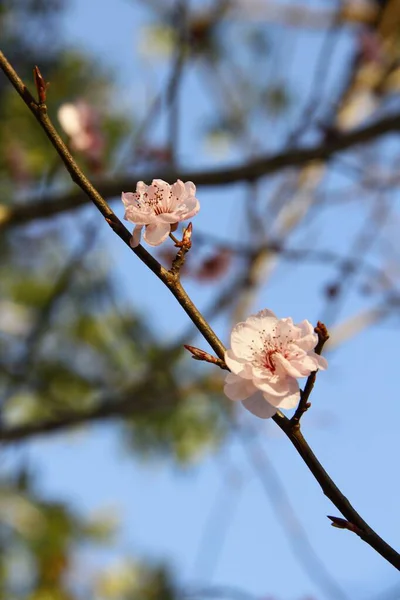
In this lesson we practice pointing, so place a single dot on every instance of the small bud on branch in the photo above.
(344, 524)
(187, 237)
(41, 85)
(184, 246)
(198, 354)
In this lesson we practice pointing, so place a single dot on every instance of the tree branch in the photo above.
(130, 404)
(249, 171)
(172, 282)
(169, 279)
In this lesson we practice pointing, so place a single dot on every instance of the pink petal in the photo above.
(160, 186)
(260, 407)
(237, 366)
(160, 183)
(283, 392)
(141, 187)
(245, 340)
(308, 338)
(138, 216)
(190, 188)
(286, 329)
(178, 189)
(264, 321)
(290, 368)
(290, 400)
(190, 207)
(265, 313)
(309, 363)
(168, 218)
(322, 362)
(155, 234)
(237, 388)
(135, 239)
(128, 198)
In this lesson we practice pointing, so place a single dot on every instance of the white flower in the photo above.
(267, 356)
(157, 207)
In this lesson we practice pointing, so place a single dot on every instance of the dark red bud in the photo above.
(41, 85)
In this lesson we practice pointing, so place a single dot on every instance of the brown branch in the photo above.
(304, 404)
(169, 279)
(332, 492)
(172, 282)
(130, 404)
(285, 512)
(249, 171)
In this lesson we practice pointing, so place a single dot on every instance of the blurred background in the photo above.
(125, 472)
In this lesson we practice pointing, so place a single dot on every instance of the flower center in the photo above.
(268, 363)
(160, 203)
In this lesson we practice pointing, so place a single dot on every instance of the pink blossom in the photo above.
(267, 356)
(157, 207)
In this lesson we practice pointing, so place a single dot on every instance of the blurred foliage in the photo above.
(38, 539)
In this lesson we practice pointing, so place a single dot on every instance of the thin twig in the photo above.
(334, 494)
(281, 504)
(304, 404)
(249, 171)
(169, 279)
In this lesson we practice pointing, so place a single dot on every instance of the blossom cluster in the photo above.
(267, 354)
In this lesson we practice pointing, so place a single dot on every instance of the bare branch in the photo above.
(172, 282)
(249, 171)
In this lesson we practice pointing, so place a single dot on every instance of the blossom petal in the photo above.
(191, 207)
(322, 362)
(178, 189)
(238, 367)
(277, 386)
(259, 406)
(245, 340)
(129, 198)
(141, 188)
(291, 368)
(283, 393)
(156, 233)
(237, 388)
(190, 188)
(168, 218)
(308, 338)
(135, 239)
(291, 398)
(286, 329)
(161, 184)
(265, 320)
(138, 216)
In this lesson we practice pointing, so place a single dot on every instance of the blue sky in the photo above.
(163, 510)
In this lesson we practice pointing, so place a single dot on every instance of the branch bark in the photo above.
(249, 171)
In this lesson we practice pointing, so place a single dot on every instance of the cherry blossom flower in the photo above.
(158, 207)
(267, 356)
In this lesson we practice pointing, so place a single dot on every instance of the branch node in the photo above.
(340, 523)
